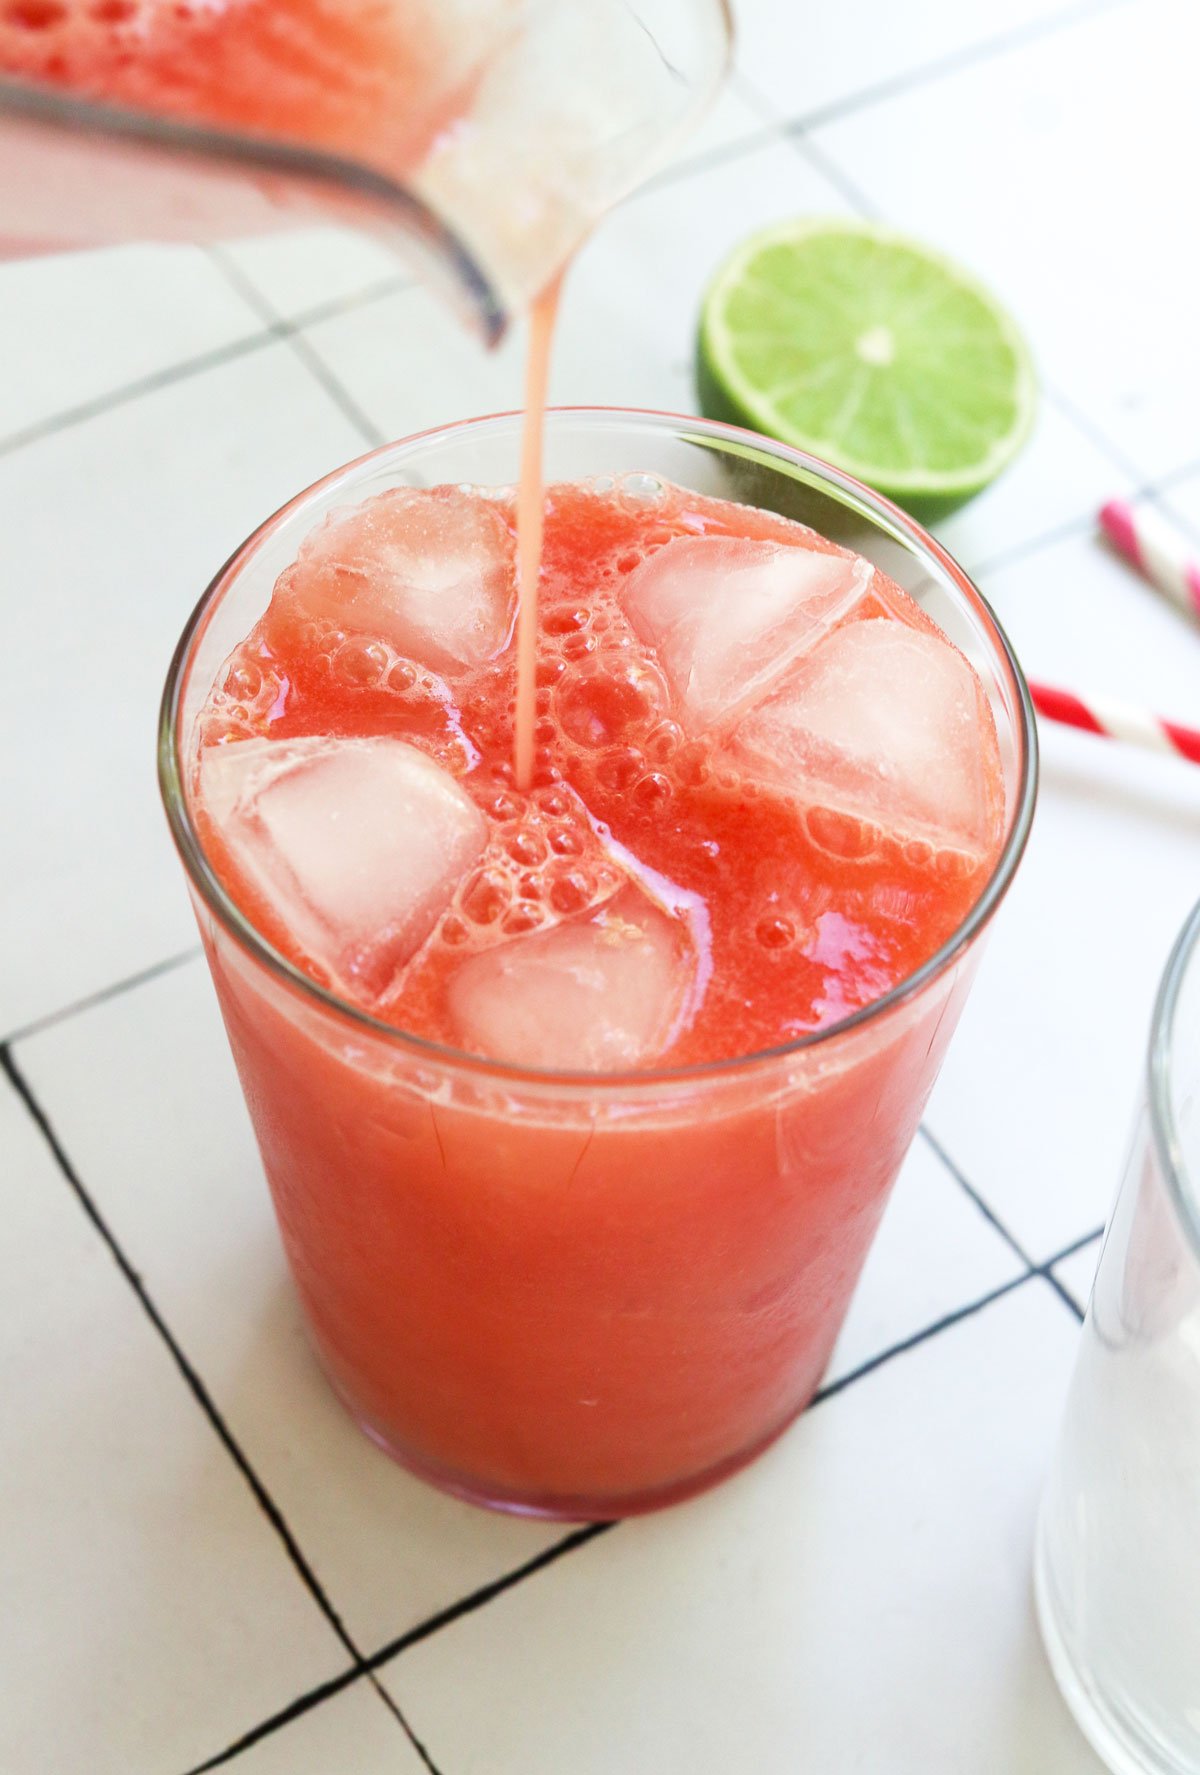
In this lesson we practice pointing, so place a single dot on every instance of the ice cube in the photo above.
(887, 724)
(429, 572)
(598, 995)
(727, 616)
(356, 845)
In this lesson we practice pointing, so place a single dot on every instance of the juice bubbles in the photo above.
(585, 1242)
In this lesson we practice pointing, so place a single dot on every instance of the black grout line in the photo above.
(301, 346)
(1096, 437)
(1033, 1272)
(798, 134)
(777, 127)
(319, 370)
(1160, 497)
(1165, 483)
(102, 996)
(1068, 1300)
(943, 67)
(1097, 1232)
(1083, 525)
(186, 368)
(207, 1404)
(832, 173)
(394, 1709)
(199, 1391)
(920, 1337)
(1045, 1269)
(132, 391)
(580, 1537)
(366, 1668)
(993, 1219)
(766, 136)
(768, 133)
(469, 1604)
(753, 99)
(782, 127)
(1157, 491)
(293, 1711)
(1086, 524)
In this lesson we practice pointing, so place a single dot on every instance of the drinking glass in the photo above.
(1118, 1554)
(512, 127)
(573, 1294)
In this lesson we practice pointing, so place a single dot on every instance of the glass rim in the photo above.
(1183, 1189)
(884, 515)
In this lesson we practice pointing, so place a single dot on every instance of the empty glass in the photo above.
(490, 135)
(1118, 1558)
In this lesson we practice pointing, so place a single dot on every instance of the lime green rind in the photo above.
(1005, 383)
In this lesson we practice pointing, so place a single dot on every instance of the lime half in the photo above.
(864, 348)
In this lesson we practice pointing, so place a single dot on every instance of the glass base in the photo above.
(570, 1509)
(1115, 1738)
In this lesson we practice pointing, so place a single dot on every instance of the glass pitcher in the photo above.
(487, 136)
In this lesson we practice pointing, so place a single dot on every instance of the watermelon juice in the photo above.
(343, 77)
(580, 1103)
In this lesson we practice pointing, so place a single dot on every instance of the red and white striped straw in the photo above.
(1152, 545)
(1117, 721)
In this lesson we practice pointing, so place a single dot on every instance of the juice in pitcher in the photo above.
(489, 134)
(580, 1100)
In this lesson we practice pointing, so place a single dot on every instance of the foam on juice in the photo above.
(797, 909)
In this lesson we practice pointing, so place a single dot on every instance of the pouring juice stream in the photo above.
(530, 518)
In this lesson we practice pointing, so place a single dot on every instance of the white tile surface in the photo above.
(308, 267)
(408, 365)
(1181, 501)
(633, 302)
(628, 319)
(353, 1733)
(736, 115)
(860, 1599)
(1034, 1104)
(1078, 1272)
(143, 1094)
(934, 1253)
(1081, 617)
(1060, 478)
(1037, 1096)
(79, 325)
(1019, 167)
(112, 530)
(803, 60)
(150, 1613)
